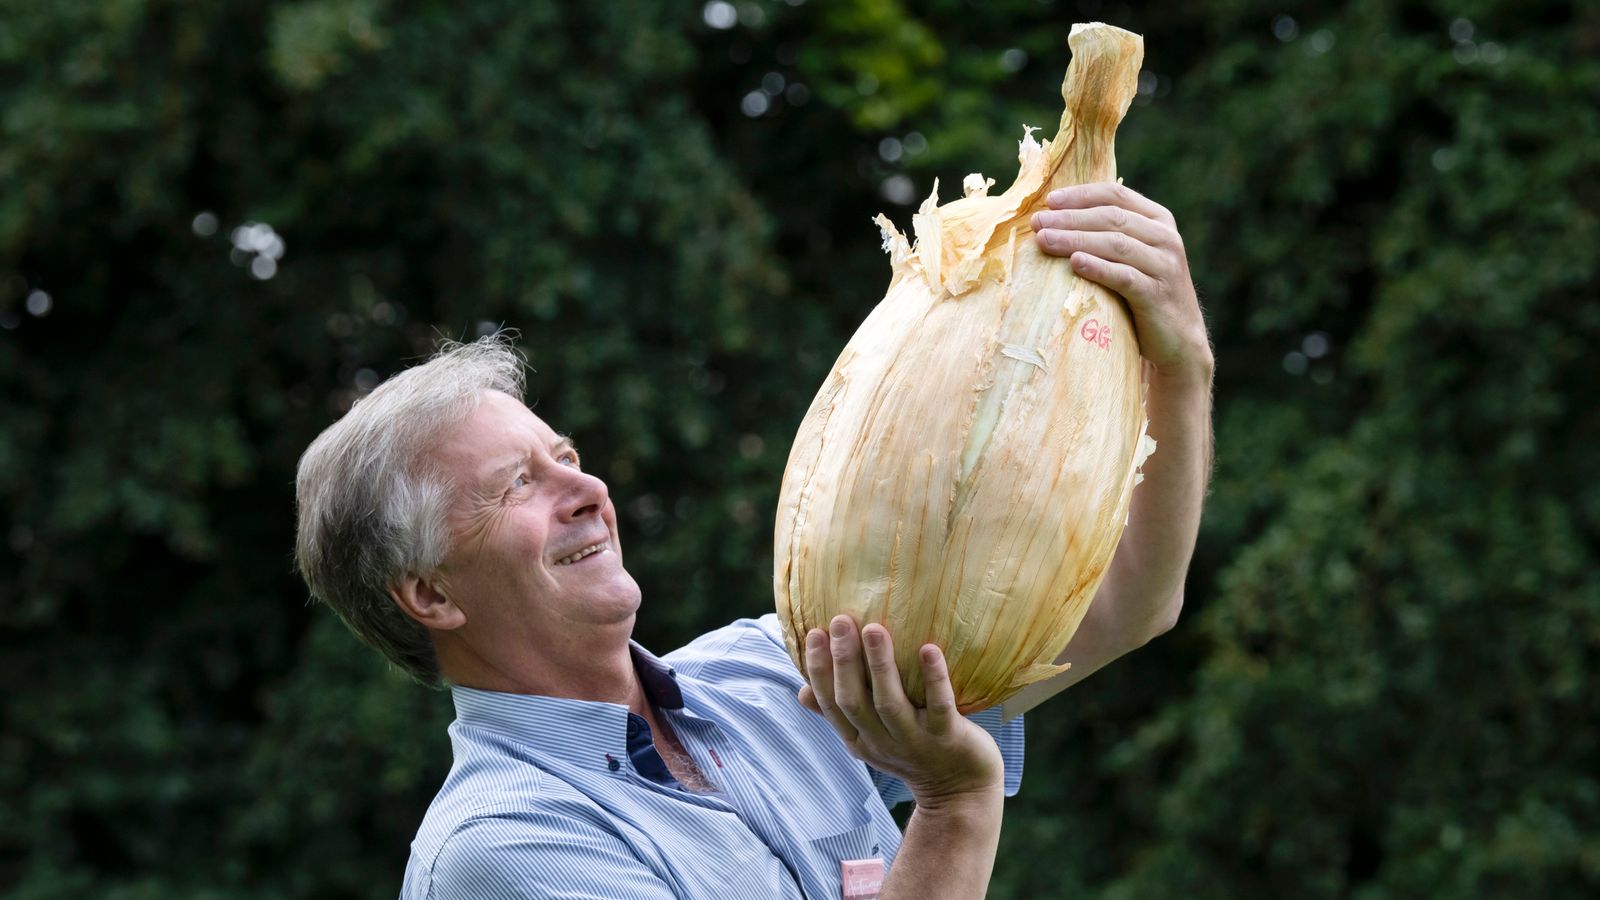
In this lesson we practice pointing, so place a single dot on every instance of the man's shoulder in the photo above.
(508, 846)
(489, 785)
(744, 648)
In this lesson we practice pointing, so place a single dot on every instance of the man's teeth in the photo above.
(596, 548)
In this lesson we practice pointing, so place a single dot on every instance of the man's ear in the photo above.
(424, 600)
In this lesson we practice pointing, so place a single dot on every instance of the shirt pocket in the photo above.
(858, 840)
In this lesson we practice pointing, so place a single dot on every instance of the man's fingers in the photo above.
(1113, 246)
(888, 694)
(819, 670)
(1131, 283)
(850, 691)
(1109, 218)
(1106, 193)
(939, 695)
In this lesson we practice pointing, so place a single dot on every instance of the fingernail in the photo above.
(1034, 222)
(839, 628)
(872, 638)
(814, 639)
(1056, 197)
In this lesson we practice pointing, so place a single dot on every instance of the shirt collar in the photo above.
(660, 680)
(585, 733)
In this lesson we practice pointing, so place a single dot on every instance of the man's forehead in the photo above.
(514, 416)
(501, 426)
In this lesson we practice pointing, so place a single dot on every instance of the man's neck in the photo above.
(591, 667)
(594, 670)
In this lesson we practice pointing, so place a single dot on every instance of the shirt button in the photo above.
(611, 763)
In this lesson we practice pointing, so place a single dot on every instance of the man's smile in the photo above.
(585, 553)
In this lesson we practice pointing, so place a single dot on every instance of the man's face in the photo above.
(525, 522)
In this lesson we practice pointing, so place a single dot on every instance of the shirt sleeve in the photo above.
(774, 657)
(540, 857)
(1008, 735)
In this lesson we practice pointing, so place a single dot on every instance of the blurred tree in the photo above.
(240, 216)
(220, 223)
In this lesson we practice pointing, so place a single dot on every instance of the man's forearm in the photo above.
(1143, 588)
(948, 850)
(1148, 570)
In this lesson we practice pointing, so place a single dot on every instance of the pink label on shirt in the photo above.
(863, 878)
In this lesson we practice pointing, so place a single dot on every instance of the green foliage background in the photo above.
(1384, 681)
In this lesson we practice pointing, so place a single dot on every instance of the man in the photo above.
(458, 533)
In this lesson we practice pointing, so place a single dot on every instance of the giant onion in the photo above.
(964, 473)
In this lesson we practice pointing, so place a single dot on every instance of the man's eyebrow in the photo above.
(505, 471)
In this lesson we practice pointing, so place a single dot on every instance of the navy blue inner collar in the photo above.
(660, 685)
(659, 680)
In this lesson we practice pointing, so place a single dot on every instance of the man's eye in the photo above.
(571, 459)
(519, 481)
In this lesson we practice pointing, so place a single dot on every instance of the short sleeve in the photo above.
(717, 649)
(525, 856)
(1008, 735)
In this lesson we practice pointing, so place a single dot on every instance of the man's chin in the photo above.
(611, 598)
(623, 602)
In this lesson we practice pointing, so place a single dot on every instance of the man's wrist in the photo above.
(949, 846)
(1194, 372)
(958, 804)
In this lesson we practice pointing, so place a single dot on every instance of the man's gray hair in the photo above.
(370, 513)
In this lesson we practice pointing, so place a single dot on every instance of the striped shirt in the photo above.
(549, 797)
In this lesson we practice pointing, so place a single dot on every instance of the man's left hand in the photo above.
(1122, 240)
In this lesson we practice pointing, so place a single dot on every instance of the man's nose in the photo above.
(586, 496)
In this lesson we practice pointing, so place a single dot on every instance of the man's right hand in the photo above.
(942, 757)
(952, 766)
